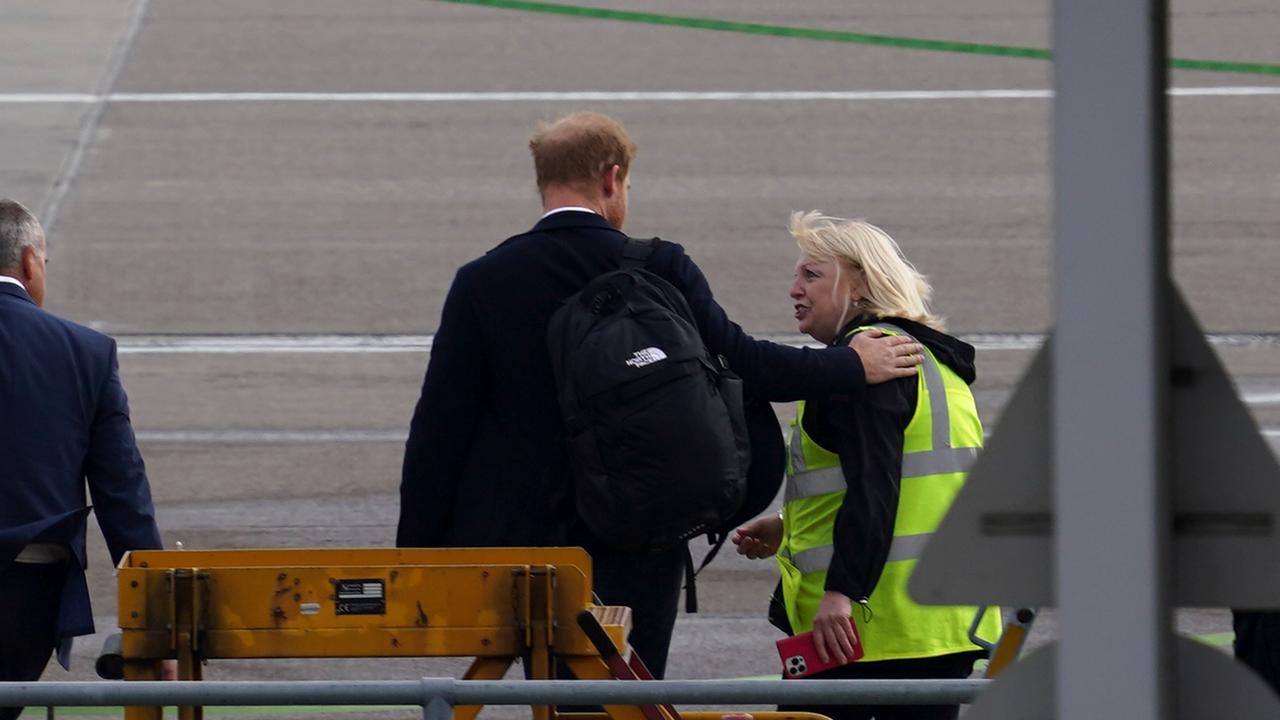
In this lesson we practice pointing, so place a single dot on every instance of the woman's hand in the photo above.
(832, 628)
(759, 538)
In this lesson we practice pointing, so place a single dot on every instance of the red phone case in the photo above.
(800, 657)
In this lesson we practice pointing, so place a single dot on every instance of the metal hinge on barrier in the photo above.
(534, 602)
(188, 591)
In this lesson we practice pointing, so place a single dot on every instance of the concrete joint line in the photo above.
(71, 166)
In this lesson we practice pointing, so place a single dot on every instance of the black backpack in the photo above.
(654, 425)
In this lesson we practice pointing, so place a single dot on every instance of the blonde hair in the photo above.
(894, 287)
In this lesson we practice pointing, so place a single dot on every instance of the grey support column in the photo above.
(1110, 360)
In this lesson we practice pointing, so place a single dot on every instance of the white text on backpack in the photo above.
(647, 356)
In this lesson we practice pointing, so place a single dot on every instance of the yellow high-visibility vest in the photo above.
(939, 445)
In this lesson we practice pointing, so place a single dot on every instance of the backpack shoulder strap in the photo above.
(716, 541)
(636, 252)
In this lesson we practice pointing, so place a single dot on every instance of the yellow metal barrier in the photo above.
(493, 604)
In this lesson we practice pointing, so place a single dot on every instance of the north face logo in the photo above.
(647, 356)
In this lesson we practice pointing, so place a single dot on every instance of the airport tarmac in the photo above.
(271, 243)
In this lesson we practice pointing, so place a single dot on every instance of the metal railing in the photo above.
(437, 696)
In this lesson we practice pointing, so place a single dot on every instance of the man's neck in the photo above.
(556, 198)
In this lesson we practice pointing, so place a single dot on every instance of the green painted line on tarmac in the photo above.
(759, 29)
(1222, 639)
(895, 41)
(1225, 66)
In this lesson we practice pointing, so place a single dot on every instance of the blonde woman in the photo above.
(869, 481)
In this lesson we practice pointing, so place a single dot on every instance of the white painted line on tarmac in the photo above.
(1005, 341)
(1226, 91)
(596, 96)
(308, 343)
(584, 96)
(48, 98)
(317, 437)
(1261, 398)
(268, 344)
(270, 437)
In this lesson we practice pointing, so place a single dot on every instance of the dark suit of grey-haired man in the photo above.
(64, 428)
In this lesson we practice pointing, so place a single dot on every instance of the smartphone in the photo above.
(800, 657)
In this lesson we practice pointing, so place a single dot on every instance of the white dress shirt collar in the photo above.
(568, 208)
(15, 281)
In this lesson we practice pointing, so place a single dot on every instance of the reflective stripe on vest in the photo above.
(811, 483)
(938, 462)
(904, 547)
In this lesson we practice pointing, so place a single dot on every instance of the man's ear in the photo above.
(30, 262)
(612, 176)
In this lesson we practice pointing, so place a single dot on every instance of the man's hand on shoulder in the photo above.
(886, 357)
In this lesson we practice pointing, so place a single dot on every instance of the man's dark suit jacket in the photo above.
(64, 418)
(485, 463)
